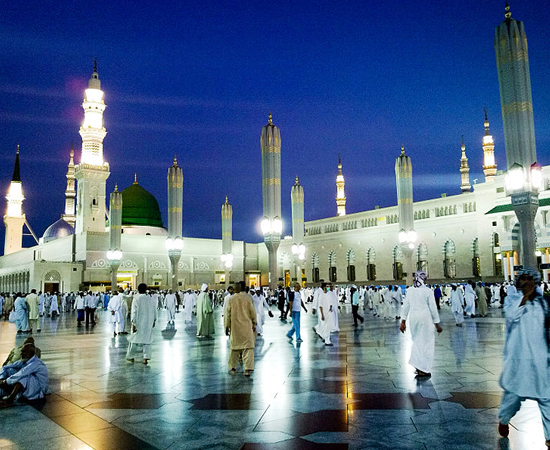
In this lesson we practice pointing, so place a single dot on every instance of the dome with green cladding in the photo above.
(140, 207)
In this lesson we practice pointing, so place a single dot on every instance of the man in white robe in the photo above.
(261, 306)
(41, 303)
(326, 315)
(116, 316)
(420, 309)
(334, 303)
(315, 306)
(470, 299)
(24, 379)
(397, 298)
(457, 305)
(143, 316)
(170, 302)
(240, 325)
(21, 314)
(526, 370)
(34, 316)
(188, 305)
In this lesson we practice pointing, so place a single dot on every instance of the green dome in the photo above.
(140, 207)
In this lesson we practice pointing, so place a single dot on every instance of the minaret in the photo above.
(70, 193)
(174, 243)
(519, 130)
(340, 195)
(489, 165)
(464, 170)
(227, 238)
(272, 226)
(514, 82)
(14, 218)
(92, 172)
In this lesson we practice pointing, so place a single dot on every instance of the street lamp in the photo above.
(114, 257)
(174, 247)
(523, 187)
(272, 229)
(227, 259)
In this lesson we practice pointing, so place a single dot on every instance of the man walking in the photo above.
(143, 316)
(295, 307)
(355, 305)
(240, 325)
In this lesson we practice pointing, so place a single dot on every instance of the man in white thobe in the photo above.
(205, 319)
(143, 316)
(457, 305)
(116, 317)
(334, 303)
(170, 302)
(420, 309)
(525, 371)
(326, 315)
(470, 299)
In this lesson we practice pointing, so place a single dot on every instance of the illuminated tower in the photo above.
(14, 218)
(227, 238)
(523, 176)
(298, 247)
(92, 172)
(272, 226)
(489, 165)
(464, 170)
(174, 243)
(407, 234)
(70, 193)
(340, 195)
(514, 82)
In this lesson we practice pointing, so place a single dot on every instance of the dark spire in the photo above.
(95, 64)
(16, 172)
(486, 119)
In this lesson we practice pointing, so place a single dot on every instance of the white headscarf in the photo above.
(204, 287)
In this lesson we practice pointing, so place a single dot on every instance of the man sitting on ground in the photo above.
(26, 379)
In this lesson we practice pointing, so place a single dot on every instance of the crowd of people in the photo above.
(526, 369)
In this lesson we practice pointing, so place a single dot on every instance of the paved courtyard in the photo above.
(358, 394)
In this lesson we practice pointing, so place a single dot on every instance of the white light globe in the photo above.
(265, 225)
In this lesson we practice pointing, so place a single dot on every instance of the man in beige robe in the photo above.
(240, 325)
(34, 315)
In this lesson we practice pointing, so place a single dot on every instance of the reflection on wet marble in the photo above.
(359, 394)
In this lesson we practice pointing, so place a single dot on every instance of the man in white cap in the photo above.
(421, 311)
(205, 319)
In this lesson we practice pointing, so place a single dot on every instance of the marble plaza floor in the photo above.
(358, 394)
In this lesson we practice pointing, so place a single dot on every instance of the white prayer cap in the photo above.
(204, 287)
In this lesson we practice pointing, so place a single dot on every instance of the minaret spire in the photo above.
(14, 218)
(340, 194)
(464, 170)
(92, 172)
(70, 192)
(489, 165)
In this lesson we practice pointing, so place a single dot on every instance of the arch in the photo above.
(422, 257)
(449, 265)
(52, 276)
(476, 262)
(315, 260)
(350, 256)
(332, 258)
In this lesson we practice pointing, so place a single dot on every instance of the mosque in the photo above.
(472, 235)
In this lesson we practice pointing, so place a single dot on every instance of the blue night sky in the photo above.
(198, 79)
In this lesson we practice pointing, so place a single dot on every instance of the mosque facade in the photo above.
(472, 235)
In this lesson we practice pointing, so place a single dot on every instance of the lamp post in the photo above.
(174, 247)
(114, 257)
(407, 241)
(272, 229)
(299, 252)
(523, 187)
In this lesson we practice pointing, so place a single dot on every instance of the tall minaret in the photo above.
(519, 130)
(92, 172)
(464, 170)
(70, 193)
(272, 226)
(489, 165)
(227, 238)
(514, 82)
(14, 218)
(340, 195)
(174, 243)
